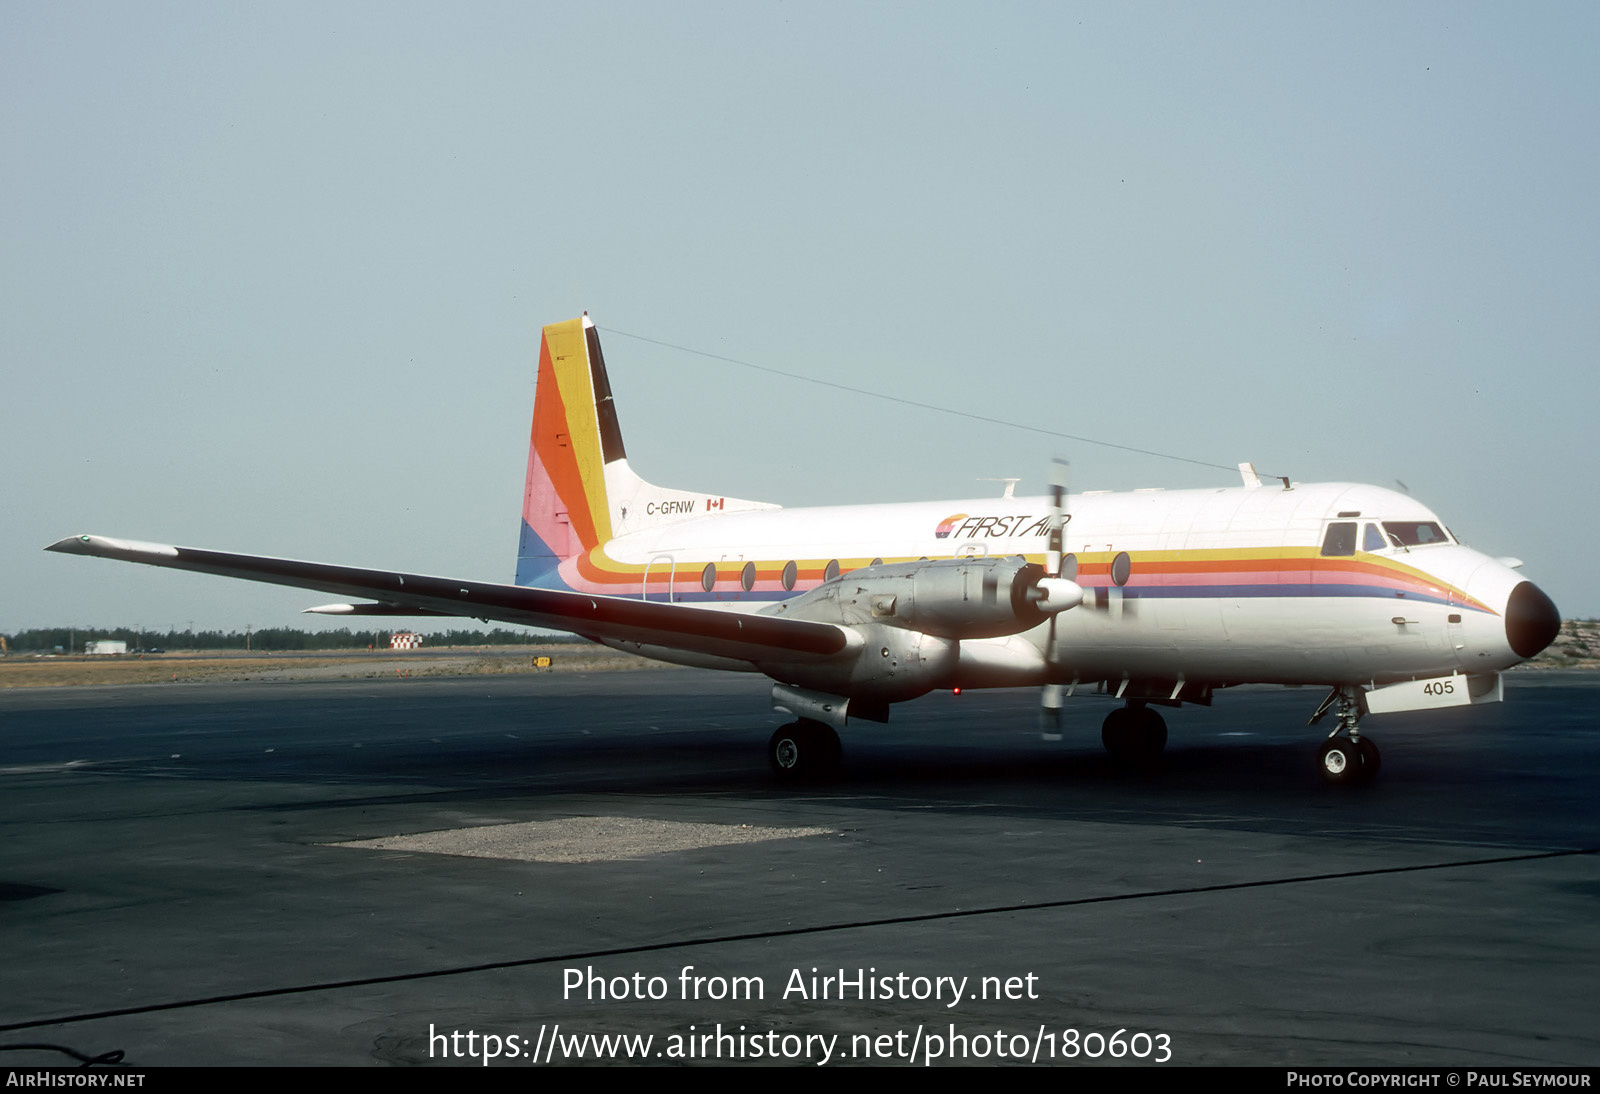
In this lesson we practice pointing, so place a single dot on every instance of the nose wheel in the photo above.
(1346, 758)
(1346, 762)
(1370, 760)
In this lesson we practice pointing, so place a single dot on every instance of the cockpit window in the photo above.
(1414, 533)
(1341, 538)
(1372, 539)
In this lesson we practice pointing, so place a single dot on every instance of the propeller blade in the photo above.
(1050, 701)
(1050, 713)
(1058, 492)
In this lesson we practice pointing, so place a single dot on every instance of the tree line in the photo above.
(72, 639)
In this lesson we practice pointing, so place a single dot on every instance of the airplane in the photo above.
(1154, 598)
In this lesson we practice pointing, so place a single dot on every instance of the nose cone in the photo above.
(1531, 620)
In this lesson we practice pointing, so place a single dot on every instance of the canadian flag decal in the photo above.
(714, 503)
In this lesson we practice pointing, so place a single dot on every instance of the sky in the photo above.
(272, 275)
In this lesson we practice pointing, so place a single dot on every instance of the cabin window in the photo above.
(1121, 568)
(790, 573)
(708, 576)
(1340, 540)
(831, 571)
(1069, 567)
(1414, 533)
(747, 577)
(1372, 539)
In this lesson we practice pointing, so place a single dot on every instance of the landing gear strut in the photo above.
(1134, 735)
(804, 750)
(1346, 757)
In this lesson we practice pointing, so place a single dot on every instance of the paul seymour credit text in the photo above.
(816, 989)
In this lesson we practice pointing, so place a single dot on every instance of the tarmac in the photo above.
(493, 869)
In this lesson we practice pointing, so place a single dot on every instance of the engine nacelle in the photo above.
(891, 665)
(951, 598)
(911, 618)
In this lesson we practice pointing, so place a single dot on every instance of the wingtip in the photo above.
(107, 547)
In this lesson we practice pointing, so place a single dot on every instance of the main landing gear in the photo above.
(804, 750)
(1346, 757)
(1134, 735)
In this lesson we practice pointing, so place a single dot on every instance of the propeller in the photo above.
(1108, 601)
(1050, 700)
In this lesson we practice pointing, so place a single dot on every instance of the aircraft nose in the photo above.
(1532, 620)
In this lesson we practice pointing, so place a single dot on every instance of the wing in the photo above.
(675, 626)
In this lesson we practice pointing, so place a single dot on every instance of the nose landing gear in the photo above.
(1346, 757)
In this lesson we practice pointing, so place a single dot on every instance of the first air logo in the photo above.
(961, 526)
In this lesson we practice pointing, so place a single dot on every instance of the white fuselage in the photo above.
(1218, 586)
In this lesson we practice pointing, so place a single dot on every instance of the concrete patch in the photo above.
(581, 839)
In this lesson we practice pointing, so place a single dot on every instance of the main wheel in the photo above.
(1134, 736)
(1340, 761)
(1116, 734)
(804, 750)
(1151, 737)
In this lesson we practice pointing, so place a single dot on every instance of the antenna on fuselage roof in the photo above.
(1011, 486)
(1252, 478)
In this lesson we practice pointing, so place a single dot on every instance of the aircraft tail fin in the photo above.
(581, 492)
